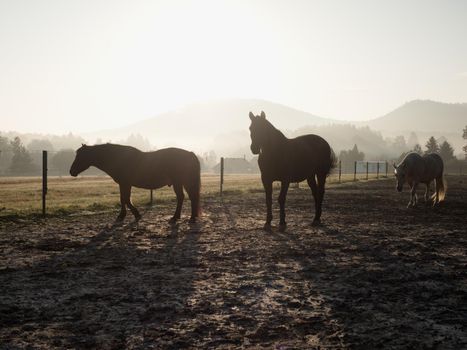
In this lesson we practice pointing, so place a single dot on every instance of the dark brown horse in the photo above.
(129, 167)
(307, 157)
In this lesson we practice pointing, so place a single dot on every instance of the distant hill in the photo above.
(206, 123)
(222, 125)
(423, 116)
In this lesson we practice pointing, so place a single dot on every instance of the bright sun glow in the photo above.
(81, 66)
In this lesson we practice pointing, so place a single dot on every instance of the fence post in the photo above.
(222, 174)
(377, 170)
(355, 170)
(386, 168)
(367, 171)
(340, 170)
(44, 181)
(151, 197)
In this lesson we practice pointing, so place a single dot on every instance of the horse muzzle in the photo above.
(255, 149)
(399, 188)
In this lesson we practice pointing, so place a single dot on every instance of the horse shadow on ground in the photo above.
(127, 285)
(384, 285)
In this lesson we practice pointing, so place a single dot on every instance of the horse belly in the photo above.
(152, 182)
(288, 169)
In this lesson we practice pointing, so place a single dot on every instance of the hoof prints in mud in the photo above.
(374, 275)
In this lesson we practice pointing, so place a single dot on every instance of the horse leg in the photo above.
(268, 189)
(413, 195)
(194, 199)
(125, 197)
(321, 188)
(427, 192)
(123, 201)
(281, 199)
(178, 188)
(314, 191)
(437, 189)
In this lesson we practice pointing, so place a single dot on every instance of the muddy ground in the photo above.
(375, 275)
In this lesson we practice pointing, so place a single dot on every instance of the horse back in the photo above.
(163, 167)
(434, 165)
(423, 168)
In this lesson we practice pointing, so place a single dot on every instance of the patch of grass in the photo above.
(20, 197)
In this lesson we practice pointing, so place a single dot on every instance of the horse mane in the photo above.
(408, 157)
(274, 130)
(110, 147)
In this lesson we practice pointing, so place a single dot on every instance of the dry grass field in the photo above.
(21, 196)
(375, 275)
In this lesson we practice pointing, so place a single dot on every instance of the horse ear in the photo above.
(252, 116)
(394, 165)
(83, 145)
(263, 115)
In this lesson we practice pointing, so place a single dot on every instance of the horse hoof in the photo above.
(282, 227)
(119, 219)
(138, 218)
(316, 222)
(172, 220)
(192, 221)
(267, 227)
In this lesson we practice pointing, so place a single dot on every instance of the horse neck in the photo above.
(104, 160)
(275, 140)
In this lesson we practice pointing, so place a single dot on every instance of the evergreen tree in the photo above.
(432, 146)
(417, 149)
(446, 151)
(351, 155)
(413, 140)
(464, 136)
(21, 163)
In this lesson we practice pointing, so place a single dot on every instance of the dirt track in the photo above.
(375, 275)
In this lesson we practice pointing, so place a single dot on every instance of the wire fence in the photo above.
(48, 185)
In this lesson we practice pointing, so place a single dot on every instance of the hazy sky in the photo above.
(90, 64)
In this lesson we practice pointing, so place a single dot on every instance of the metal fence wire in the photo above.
(240, 175)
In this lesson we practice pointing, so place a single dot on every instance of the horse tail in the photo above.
(332, 161)
(440, 189)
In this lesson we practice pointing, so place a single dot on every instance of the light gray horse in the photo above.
(415, 169)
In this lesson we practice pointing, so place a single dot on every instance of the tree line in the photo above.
(16, 159)
(444, 149)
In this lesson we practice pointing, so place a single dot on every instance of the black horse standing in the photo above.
(307, 157)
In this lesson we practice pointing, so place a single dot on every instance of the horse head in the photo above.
(399, 172)
(82, 160)
(258, 132)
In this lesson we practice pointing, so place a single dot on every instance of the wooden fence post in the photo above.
(367, 171)
(151, 198)
(386, 168)
(355, 170)
(340, 170)
(377, 170)
(222, 174)
(44, 181)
